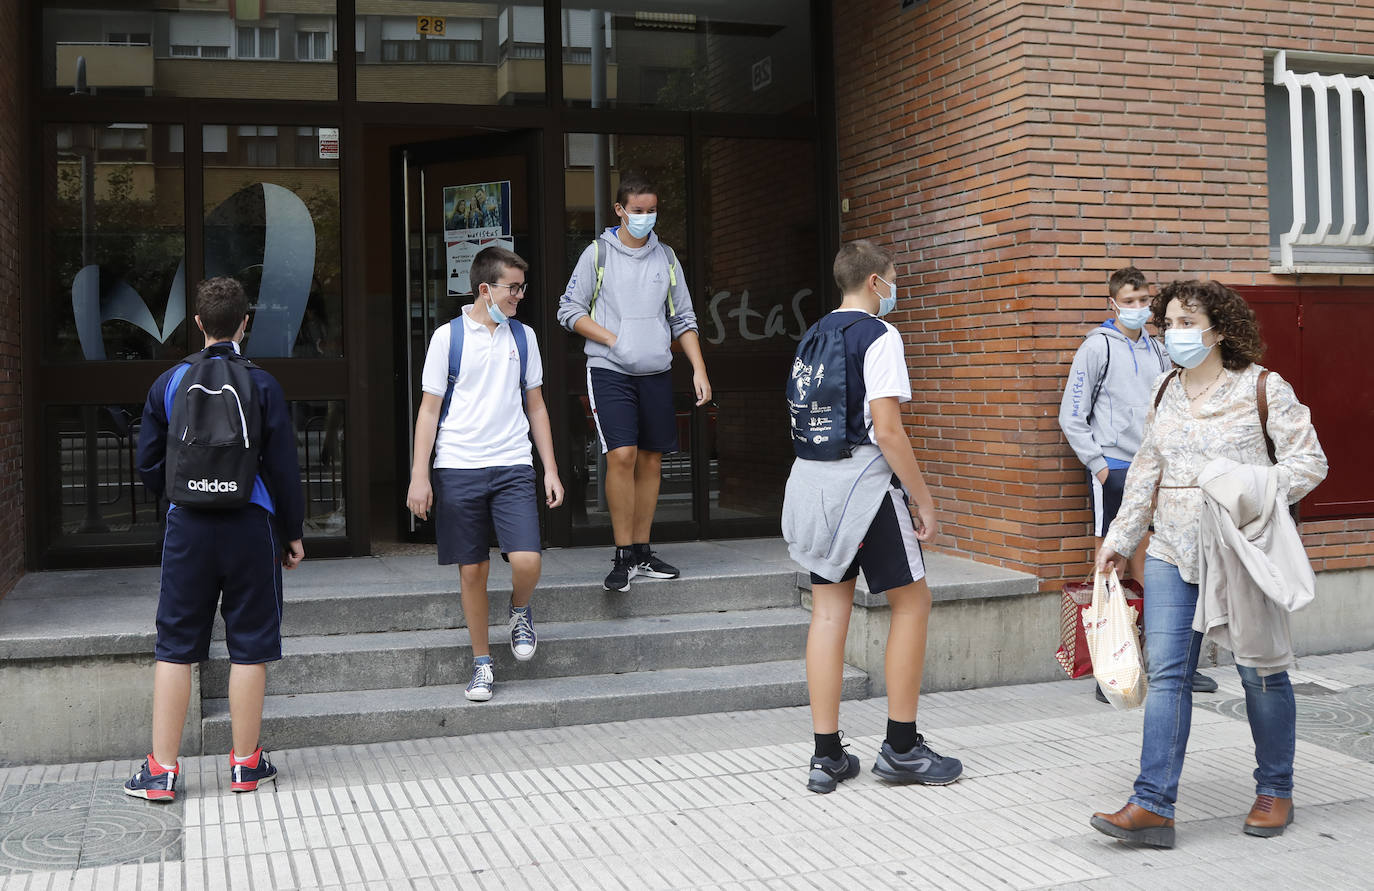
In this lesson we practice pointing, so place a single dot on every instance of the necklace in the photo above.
(1192, 397)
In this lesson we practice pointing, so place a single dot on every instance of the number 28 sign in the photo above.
(432, 25)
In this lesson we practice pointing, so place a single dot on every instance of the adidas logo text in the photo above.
(212, 485)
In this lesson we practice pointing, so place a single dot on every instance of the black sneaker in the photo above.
(1099, 695)
(826, 773)
(920, 765)
(1203, 684)
(621, 572)
(646, 564)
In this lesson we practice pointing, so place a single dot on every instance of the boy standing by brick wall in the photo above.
(854, 513)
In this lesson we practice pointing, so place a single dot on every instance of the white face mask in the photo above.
(1133, 317)
(1186, 347)
(886, 304)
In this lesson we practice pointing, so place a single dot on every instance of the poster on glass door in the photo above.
(476, 216)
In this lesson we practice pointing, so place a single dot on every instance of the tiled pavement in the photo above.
(718, 801)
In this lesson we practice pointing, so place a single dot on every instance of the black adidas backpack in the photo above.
(817, 396)
(214, 434)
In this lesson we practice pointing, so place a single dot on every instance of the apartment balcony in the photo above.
(107, 65)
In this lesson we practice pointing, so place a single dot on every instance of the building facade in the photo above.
(343, 157)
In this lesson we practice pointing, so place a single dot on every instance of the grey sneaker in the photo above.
(483, 680)
(523, 640)
(920, 765)
(826, 773)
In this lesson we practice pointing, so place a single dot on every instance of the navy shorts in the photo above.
(1106, 499)
(890, 554)
(633, 410)
(227, 557)
(469, 503)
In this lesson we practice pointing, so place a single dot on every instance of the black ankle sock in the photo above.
(901, 735)
(624, 553)
(828, 746)
(641, 551)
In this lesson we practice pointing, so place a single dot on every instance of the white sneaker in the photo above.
(523, 640)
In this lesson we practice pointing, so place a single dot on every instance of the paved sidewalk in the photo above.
(718, 801)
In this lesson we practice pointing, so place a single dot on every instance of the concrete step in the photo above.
(327, 663)
(367, 716)
(410, 607)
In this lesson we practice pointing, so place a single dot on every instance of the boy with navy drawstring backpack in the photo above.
(483, 400)
(218, 442)
(849, 507)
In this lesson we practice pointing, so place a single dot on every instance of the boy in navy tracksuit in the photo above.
(235, 554)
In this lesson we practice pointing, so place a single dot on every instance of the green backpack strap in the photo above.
(601, 273)
(672, 276)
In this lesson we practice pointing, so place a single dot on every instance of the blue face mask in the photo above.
(886, 304)
(640, 224)
(1185, 346)
(494, 311)
(1133, 317)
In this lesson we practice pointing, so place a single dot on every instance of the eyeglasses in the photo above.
(516, 289)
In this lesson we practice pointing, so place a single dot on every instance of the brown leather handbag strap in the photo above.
(1159, 394)
(1262, 402)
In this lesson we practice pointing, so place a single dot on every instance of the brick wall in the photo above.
(12, 135)
(1014, 154)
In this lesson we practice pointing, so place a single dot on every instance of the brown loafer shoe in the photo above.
(1135, 824)
(1269, 816)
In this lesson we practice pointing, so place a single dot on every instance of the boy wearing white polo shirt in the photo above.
(483, 400)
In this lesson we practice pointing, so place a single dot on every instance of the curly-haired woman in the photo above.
(1206, 411)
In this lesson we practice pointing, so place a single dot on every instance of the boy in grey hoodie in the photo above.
(1106, 398)
(628, 298)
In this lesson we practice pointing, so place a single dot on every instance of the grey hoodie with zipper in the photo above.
(1113, 425)
(638, 303)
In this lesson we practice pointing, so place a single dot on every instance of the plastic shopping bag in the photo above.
(1110, 627)
(1073, 644)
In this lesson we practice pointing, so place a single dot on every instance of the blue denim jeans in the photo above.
(1172, 648)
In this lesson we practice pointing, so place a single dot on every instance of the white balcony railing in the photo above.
(1324, 234)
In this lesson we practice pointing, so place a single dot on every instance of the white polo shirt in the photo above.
(486, 424)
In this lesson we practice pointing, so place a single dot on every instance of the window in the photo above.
(400, 50)
(257, 146)
(187, 51)
(256, 43)
(312, 46)
(1319, 166)
(128, 39)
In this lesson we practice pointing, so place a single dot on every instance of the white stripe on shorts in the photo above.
(908, 527)
(1097, 504)
(596, 418)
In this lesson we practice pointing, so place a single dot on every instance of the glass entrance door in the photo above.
(456, 197)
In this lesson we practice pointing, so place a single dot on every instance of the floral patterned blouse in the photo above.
(1178, 444)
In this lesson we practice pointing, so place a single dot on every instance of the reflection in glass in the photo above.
(93, 473)
(272, 221)
(113, 265)
(591, 182)
(757, 304)
(224, 49)
(93, 476)
(748, 56)
(320, 445)
(466, 54)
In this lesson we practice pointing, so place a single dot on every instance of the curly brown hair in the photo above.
(1230, 315)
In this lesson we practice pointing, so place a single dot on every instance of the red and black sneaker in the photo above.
(245, 774)
(153, 781)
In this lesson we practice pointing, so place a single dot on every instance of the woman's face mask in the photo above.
(1185, 346)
